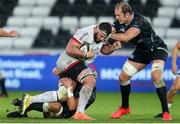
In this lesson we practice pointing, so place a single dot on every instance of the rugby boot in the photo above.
(26, 101)
(81, 116)
(121, 111)
(166, 116)
(16, 114)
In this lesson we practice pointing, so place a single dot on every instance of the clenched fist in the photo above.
(90, 54)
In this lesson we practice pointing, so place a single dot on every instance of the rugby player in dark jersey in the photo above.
(176, 84)
(61, 109)
(136, 29)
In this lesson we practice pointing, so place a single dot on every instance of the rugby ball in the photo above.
(84, 47)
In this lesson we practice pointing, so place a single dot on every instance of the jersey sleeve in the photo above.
(137, 23)
(80, 36)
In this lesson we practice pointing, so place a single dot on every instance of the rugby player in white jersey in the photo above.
(72, 64)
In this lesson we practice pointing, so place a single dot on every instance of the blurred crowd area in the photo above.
(49, 24)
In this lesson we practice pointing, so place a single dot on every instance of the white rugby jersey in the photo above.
(82, 35)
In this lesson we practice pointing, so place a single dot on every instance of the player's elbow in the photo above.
(68, 50)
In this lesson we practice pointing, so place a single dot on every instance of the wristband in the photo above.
(85, 55)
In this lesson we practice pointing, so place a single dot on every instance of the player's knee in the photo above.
(124, 79)
(156, 76)
(156, 72)
(87, 77)
(90, 81)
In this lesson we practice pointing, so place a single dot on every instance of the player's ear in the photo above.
(127, 14)
(96, 30)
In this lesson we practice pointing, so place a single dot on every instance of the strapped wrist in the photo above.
(85, 55)
(69, 93)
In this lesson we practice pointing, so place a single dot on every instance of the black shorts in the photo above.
(67, 114)
(145, 57)
(74, 71)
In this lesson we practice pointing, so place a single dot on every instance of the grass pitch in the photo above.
(143, 107)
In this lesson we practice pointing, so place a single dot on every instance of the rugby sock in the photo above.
(3, 88)
(49, 96)
(163, 98)
(84, 96)
(169, 105)
(35, 106)
(125, 91)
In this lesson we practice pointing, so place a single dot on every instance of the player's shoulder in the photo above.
(86, 29)
(139, 20)
(83, 32)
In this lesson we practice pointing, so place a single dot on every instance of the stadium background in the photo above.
(45, 26)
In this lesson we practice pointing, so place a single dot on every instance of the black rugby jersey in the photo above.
(147, 39)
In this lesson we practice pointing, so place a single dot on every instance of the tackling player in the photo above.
(149, 48)
(61, 109)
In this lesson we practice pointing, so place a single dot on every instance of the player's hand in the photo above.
(13, 34)
(56, 71)
(174, 69)
(90, 54)
(67, 82)
(117, 45)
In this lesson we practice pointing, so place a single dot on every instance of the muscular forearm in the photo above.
(126, 36)
(72, 103)
(4, 33)
(119, 37)
(75, 52)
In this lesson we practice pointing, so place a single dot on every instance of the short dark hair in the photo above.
(105, 28)
(125, 7)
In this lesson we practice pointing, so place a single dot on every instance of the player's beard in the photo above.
(95, 38)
